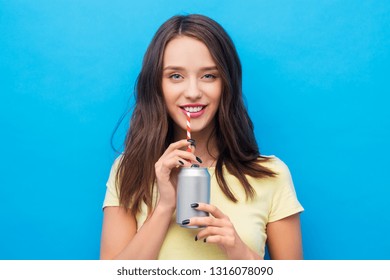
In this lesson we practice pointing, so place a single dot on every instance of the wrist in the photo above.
(165, 208)
(245, 253)
(251, 255)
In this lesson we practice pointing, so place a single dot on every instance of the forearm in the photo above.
(147, 242)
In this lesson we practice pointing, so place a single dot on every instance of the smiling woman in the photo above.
(192, 67)
(191, 83)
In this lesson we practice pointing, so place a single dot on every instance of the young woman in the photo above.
(191, 65)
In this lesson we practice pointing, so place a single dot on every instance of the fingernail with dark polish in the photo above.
(192, 141)
(182, 163)
(194, 205)
(204, 240)
(199, 160)
(185, 222)
(196, 238)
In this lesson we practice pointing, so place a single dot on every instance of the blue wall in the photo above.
(316, 80)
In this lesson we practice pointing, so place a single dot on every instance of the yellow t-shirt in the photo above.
(274, 199)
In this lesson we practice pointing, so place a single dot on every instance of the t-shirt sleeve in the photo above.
(112, 197)
(284, 201)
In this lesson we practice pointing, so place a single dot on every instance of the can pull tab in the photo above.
(195, 165)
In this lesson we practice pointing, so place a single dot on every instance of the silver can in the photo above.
(193, 186)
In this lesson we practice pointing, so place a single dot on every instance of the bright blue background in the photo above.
(316, 80)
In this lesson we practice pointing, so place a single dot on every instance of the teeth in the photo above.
(193, 109)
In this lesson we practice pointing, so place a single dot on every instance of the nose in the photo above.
(193, 90)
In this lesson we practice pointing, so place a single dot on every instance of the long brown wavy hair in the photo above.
(151, 128)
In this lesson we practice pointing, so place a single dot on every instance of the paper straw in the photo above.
(189, 130)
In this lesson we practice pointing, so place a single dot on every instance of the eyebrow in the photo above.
(179, 68)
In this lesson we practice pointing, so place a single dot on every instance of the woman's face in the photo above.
(190, 83)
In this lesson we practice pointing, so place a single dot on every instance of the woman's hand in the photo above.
(220, 230)
(166, 169)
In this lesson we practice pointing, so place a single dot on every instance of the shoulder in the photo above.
(274, 164)
(114, 170)
(116, 162)
(282, 177)
(283, 198)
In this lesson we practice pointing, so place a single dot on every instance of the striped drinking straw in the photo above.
(188, 130)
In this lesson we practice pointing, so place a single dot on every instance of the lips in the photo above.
(195, 110)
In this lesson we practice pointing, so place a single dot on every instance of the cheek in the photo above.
(170, 103)
(168, 94)
(171, 91)
(214, 92)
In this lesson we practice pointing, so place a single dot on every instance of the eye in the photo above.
(175, 76)
(210, 76)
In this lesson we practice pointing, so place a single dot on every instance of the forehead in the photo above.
(187, 52)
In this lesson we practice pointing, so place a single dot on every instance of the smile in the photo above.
(193, 109)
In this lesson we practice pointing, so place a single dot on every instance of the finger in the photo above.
(168, 163)
(220, 240)
(212, 209)
(211, 231)
(193, 148)
(206, 222)
(180, 159)
(188, 156)
(176, 145)
(191, 145)
(180, 163)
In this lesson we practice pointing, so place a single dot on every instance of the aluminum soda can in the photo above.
(193, 186)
